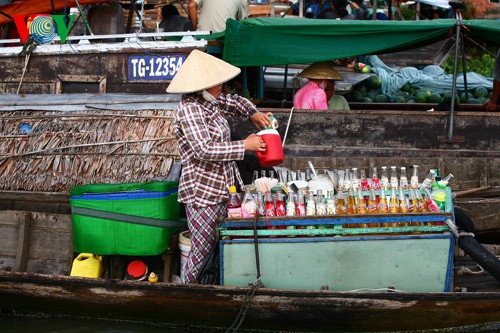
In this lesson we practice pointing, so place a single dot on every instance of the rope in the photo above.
(235, 326)
(466, 270)
(26, 60)
(454, 230)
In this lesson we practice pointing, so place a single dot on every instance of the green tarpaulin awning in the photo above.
(280, 41)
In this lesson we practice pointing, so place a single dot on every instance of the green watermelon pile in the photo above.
(369, 92)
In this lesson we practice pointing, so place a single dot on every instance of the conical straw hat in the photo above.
(201, 71)
(320, 70)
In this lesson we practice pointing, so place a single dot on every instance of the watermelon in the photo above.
(381, 98)
(480, 92)
(435, 98)
(474, 101)
(366, 100)
(372, 94)
(406, 87)
(374, 82)
(361, 88)
(463, 96)
(399, 99)
(421, 97)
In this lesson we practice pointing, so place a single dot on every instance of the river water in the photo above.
(12, 324)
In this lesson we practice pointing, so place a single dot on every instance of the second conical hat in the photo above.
(201, 71)
(321, 71)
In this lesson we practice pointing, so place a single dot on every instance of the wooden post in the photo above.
(23, 243)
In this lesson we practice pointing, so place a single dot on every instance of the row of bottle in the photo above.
(345, 202)
(358, 178)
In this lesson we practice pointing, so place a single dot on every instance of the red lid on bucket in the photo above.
(137, 269)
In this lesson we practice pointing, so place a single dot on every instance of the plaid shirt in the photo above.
(206, 149)
(310, 97)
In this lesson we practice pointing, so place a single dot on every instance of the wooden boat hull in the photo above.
(217, 307)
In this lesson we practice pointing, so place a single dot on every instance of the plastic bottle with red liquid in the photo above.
(300, 205)
(280, 204)
(234, 203)
(431, 204)
(268, 198)
(375, 179)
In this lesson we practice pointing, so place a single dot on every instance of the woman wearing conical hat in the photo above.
(207, 152)
(312, 95)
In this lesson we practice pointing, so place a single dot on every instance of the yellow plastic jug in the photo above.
(87, 265)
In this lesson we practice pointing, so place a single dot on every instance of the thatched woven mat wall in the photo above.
(74, 148)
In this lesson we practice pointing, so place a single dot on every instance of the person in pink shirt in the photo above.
(312, 95)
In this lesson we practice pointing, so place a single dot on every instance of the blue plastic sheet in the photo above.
(431, 77)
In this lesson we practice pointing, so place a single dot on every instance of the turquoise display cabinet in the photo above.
(403, 252)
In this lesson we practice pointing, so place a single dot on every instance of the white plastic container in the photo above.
(185, 247)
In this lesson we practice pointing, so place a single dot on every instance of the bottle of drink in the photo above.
(393, 201)
(431, 204)
(372, 202)
(280, 204)
(261, 206)
(413, 202)
(320, 203)
(234, 203)
(393, 183)
(447, 179)
(311, 204)
(383, 205)
(270, 211)
(341, 203)
(351, 201)
(384, 180)
(422, 204)
(361, 203)
(434, 185)
(372, 206)
(300, 205)
(330, 203)
(347, 180)
(290, 205)
(375, 180)
(355, 179)
(248, 204)
(414, 177)
(263, 174)
(365, 186)
(403, 179)
(439, 196)
(428, 180)
(403, 203)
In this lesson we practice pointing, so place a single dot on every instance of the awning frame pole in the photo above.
(83, 17)
(454, 82)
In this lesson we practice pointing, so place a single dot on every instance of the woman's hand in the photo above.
(261, 119)
(253, 142)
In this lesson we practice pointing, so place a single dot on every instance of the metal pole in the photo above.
(285, 82)
(464, 68)
(83, 16)
(454, 82)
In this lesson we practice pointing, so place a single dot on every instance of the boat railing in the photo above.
(132, 36)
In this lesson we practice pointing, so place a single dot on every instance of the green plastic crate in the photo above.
(152, 201)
